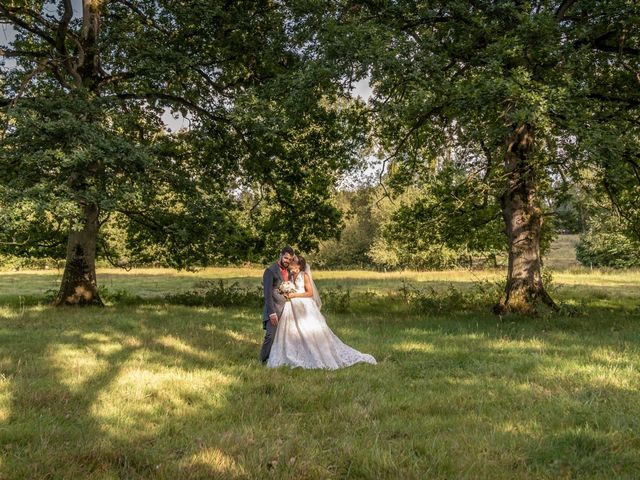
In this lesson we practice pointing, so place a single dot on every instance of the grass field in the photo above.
(147, 389)
(562, 253)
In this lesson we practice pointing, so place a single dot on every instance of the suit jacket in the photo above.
(274, 301)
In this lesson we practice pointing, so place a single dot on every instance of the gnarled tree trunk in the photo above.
(523, 224)
(79, 285)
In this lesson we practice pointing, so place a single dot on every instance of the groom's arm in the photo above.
(267, 285)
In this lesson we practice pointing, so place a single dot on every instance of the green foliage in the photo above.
(605, 244)
(262, 86)
(217, 294)
(12, 262)
(429, 301)
(571, 209)
(452, 79)
(337, 299)
(119, 296)
(361, 225)
(416, 231)
(269, 132)
(444, 221)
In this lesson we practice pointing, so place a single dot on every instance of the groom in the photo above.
(273, 300)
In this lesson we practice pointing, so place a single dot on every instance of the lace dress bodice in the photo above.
(299, 283)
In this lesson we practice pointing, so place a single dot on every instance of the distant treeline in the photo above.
(377, 234)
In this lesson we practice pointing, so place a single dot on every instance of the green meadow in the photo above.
(146, 388)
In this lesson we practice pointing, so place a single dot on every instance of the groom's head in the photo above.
(286, 255)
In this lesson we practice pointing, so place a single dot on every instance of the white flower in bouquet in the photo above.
(286, 287)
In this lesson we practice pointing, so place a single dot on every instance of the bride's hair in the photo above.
(299, 259)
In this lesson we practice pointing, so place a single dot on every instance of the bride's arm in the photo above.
(308, 289)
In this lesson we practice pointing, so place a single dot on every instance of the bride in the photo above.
(303, 338)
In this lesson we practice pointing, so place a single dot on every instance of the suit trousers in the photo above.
(269, 335)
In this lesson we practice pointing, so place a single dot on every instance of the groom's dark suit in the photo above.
(274, 302)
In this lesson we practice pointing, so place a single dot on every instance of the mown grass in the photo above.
(146, 389)
(562, 253)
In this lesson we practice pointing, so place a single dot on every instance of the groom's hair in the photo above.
(288, 250)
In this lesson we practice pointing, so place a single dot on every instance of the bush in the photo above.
(120, 296)
(10, 262)
(336, 299)
(217, 294)
(608, 249)
(483, 295)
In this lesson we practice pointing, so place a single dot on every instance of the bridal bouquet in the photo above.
(286, 287)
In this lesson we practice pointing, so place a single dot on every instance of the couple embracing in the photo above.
(296, 332)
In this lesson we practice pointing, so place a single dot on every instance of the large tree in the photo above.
(515, 95)
(84, 142)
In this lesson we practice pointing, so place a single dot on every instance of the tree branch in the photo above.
(17, 244)
(151, 22)
(19, 22)
(563, 8)
(148, 20)
(633, 102)
(116, 77)
(63, 26)
(600, 43)
(22, 53)
(141, 219)
(34, 15)
(172, 99)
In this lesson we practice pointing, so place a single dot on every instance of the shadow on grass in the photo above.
(52, 428)
(150, 391)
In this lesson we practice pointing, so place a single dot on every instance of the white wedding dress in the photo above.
(303, 338)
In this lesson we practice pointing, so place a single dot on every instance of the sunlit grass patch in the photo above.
(78, 364)
(212, 462)
(5, 397)
(138, 398)
(414, 347)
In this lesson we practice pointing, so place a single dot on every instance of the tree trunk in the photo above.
(523, 224)
(79, 285)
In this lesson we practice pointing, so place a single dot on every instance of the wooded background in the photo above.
(492, 126)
